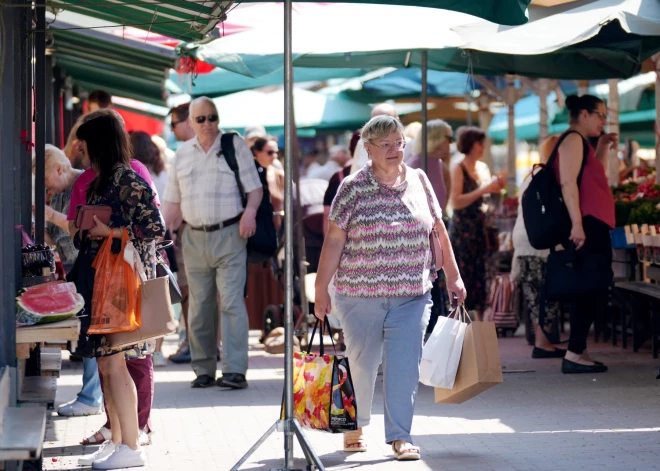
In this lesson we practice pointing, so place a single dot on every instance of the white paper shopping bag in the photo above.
(442, 351)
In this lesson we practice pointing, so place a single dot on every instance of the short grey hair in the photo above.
(53, 156)
(199, 101)
(379, 127)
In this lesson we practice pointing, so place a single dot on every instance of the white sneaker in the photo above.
(76, 408)
(105, 450)
(159, 359)
(123, 457)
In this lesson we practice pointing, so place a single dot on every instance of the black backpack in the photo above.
(263, 244)
(546, 217)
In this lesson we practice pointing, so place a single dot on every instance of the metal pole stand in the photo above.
(288, 425)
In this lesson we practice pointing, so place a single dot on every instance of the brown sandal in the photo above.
(354, 442)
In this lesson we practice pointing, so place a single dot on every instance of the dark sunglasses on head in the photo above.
(202, 119)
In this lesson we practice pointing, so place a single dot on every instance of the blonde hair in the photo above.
(380, 127)
(437, 131)
(412, 129)
(53, 156)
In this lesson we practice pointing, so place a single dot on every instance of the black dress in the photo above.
(467, 233)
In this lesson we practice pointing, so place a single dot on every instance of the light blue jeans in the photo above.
(91, 394)
(391, 331)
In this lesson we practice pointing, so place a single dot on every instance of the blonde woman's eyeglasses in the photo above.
(389, 146)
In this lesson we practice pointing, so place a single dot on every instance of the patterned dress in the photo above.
(467, 232)
(133, 207)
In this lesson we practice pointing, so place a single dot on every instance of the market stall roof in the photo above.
(221, 82)
(581, 40)
(125, 67)
(186, 20)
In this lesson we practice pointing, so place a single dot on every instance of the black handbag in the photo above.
(570, 273)
(163, 269)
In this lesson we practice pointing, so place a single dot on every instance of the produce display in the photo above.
(49, 302)
(637, 200)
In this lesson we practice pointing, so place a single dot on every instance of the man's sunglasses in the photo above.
(174, 123)
(202, 119)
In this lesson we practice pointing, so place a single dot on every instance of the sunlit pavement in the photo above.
(538, 419)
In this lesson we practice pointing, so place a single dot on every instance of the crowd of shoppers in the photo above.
(386, 299)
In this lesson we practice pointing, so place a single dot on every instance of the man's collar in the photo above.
(197, 144)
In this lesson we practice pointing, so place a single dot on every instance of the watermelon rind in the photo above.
(30, 312)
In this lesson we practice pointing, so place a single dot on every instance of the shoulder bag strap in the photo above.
(228, 151)
(428, 198)
(585, 153)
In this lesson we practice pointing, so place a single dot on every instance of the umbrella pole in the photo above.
(288, 425)
(511, 99)
(425, 108)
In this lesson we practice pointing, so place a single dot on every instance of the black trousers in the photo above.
(585, 308)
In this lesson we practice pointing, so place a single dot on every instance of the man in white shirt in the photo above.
(202, 190)
(338, 157)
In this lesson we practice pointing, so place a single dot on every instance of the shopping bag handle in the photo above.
(460, 313)
(324, 323)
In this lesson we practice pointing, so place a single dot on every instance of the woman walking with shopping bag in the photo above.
(378, 250)
(134, 216)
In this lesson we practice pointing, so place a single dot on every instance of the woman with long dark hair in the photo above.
(104, 142)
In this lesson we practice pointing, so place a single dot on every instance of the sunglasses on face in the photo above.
(271, 152)
(174, 123)
(450, 139)
(202, 119)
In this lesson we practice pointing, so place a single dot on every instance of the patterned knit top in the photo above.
(387, 252)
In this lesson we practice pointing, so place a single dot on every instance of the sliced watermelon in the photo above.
(52, 287)
(42, 308)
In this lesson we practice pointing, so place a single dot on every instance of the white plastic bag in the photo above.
(442, 351)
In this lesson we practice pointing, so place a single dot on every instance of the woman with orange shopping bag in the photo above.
(379, 250)
(134, 216)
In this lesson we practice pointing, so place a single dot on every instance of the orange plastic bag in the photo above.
(115, 302)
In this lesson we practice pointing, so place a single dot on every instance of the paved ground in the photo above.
(536, 420)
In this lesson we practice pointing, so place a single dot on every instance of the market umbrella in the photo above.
(580, 40)
(312, 110)
(221, 82)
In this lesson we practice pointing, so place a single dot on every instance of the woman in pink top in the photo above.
(591, 208)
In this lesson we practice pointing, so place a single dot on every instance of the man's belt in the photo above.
(217, 227)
